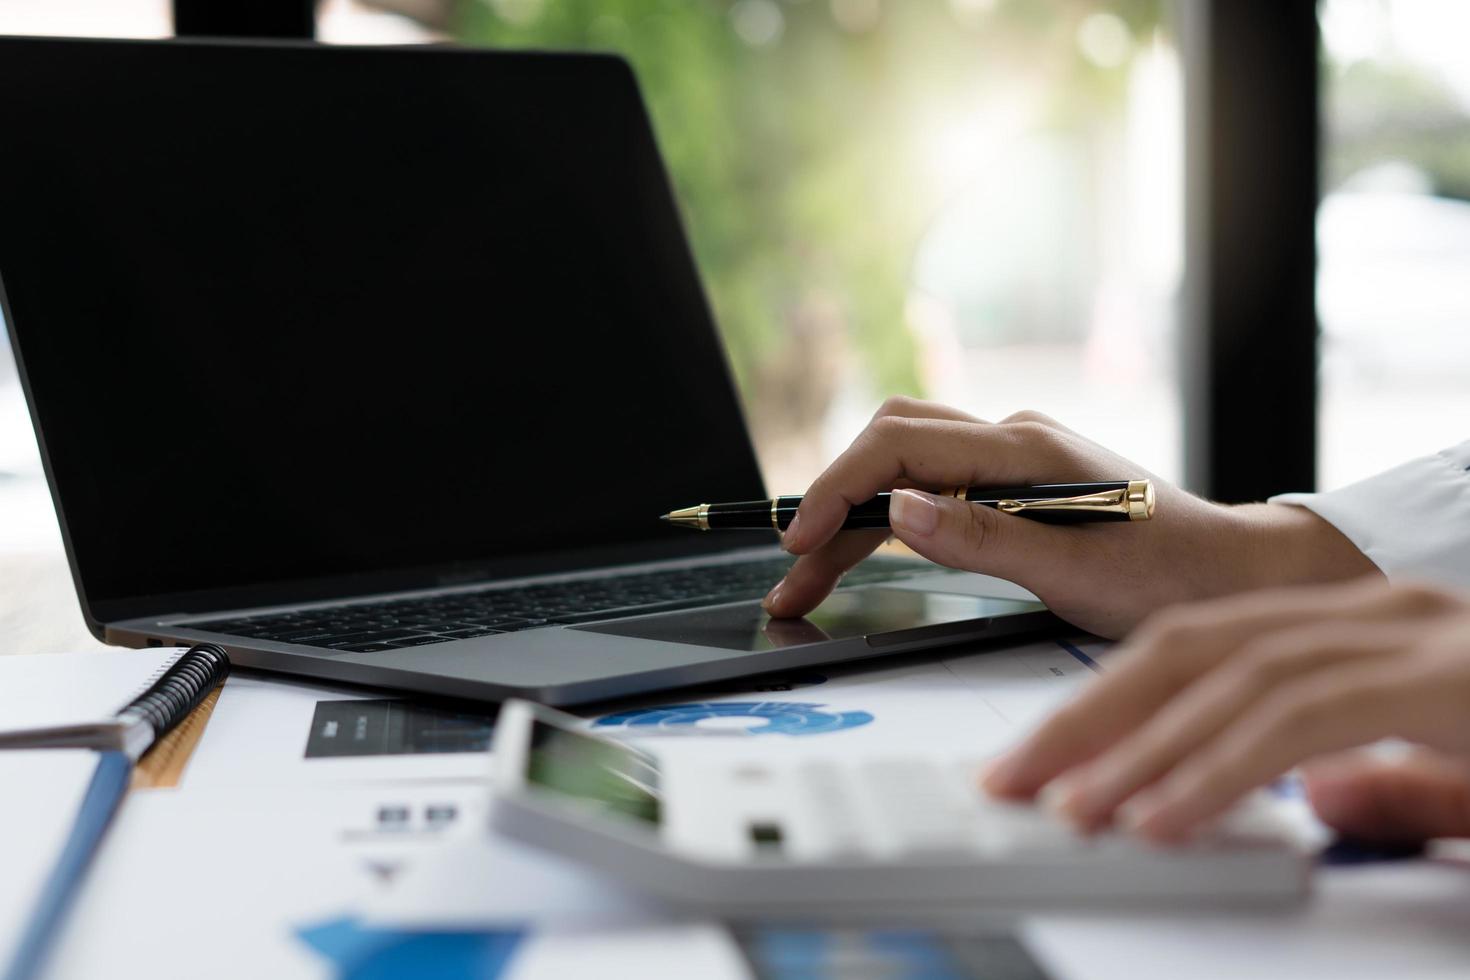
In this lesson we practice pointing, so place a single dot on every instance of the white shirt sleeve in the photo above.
(1413, 522)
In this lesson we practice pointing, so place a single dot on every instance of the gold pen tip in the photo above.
(665, 517)
(694, 517)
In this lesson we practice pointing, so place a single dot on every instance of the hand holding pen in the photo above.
(1100, 577)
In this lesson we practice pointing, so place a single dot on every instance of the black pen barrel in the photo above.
(743, 515)
(740, 515)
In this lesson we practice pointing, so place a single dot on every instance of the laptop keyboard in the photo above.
(368, 627)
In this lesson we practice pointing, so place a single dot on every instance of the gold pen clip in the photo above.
(1136, 500)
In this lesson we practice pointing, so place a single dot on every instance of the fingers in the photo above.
(1354, 706)
(977, 538)
(815, 575)
(1421, 796)
(1136, 683)
(1090, 794)
(916, 408)
(930, 453)
(1166, 655)
(826, 555)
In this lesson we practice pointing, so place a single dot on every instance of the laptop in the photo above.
(773, 836)
(379, 365)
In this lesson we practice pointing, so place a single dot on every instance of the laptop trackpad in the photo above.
(878, 614)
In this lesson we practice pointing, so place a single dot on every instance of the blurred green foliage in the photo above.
(791, 127)
(1395, 111)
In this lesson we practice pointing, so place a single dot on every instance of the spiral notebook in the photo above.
(122, 700)
(53, 708)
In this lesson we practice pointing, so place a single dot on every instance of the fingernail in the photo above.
(1145, 819)
(997, 774)
(1055, 797)
(913, 512)
(789, 537)
(773, 595)
(1065, 799)
(1131, 815)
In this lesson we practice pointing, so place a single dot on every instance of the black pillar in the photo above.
(245, 18)
(1249, 344)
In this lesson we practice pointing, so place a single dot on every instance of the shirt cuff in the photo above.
(1413, 521)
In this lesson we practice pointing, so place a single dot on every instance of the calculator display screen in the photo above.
(609, 777)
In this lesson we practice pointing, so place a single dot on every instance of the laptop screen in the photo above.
(294, 313)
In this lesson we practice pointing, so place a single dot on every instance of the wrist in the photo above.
(1289, 545)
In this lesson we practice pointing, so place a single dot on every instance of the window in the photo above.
(1393, 234)
(978, 201)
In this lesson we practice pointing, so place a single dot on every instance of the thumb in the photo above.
(973, 537)
(1416, 798)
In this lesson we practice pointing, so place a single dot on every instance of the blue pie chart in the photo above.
(766, 718)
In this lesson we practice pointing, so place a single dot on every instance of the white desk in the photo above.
(215, 879)
(224, 907)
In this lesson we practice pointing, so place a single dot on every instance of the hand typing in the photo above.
(1210, 700)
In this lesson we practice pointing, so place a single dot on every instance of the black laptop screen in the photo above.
(291, 313)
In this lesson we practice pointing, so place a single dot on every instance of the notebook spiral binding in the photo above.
(181, 688)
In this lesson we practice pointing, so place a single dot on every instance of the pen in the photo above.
(1053, 503)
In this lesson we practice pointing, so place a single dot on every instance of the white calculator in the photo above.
(880, 835)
